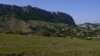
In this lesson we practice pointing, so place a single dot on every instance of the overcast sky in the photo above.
(81, 10)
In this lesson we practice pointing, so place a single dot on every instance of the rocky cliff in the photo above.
(33, 20)
(34, 13)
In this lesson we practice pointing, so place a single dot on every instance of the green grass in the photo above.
(29, 45)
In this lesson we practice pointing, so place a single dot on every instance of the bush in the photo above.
(88, 38)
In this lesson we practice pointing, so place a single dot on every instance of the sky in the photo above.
(82, 11)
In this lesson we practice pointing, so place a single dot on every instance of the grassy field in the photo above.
(28, 45)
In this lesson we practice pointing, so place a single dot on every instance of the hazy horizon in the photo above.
(81, 11)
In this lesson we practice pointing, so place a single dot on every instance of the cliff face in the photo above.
(32, 19)
(65, 17)
(33, 13)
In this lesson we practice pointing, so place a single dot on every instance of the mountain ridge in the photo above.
(33, 20)
(45, 15)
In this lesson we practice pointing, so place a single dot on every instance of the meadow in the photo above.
(29, 45)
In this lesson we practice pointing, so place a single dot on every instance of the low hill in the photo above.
(94, 28)
(91, 26)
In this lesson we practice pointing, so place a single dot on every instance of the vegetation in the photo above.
(30, 31)
(29, 45)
